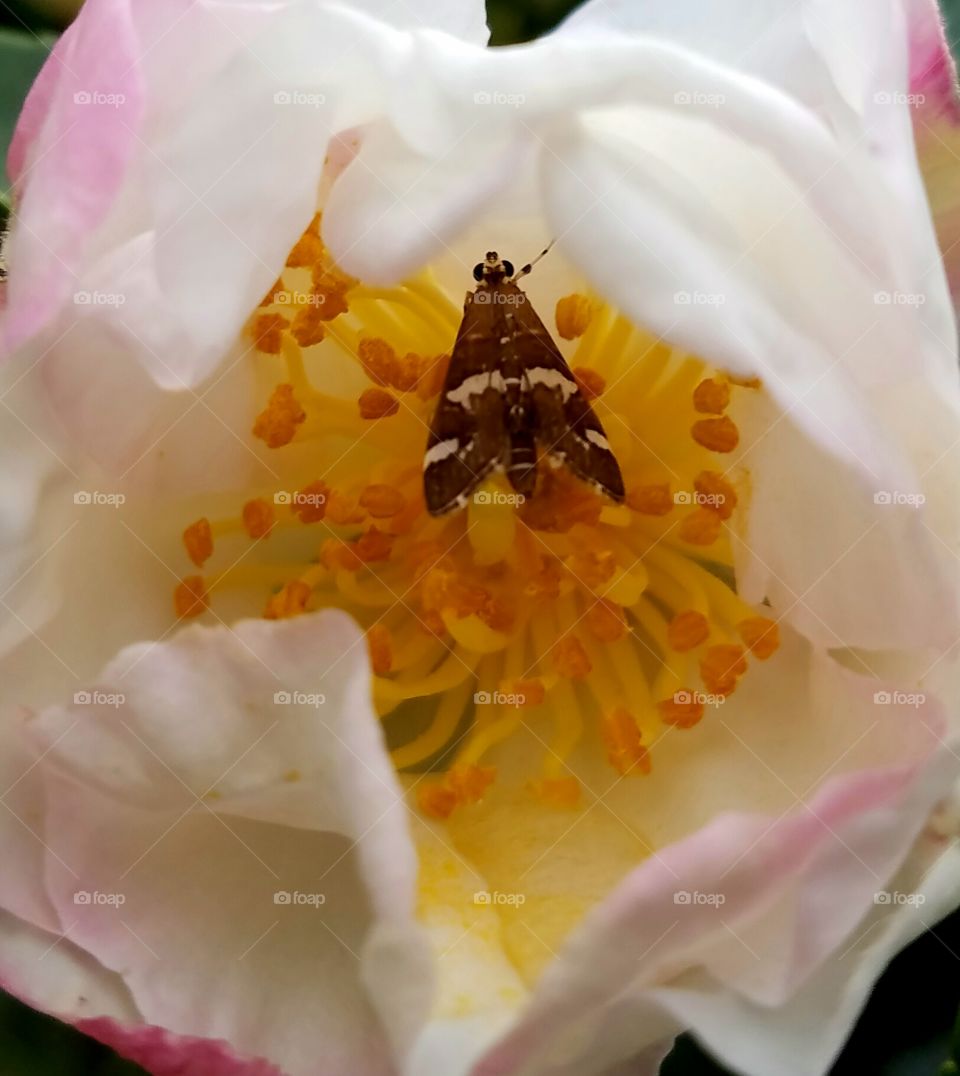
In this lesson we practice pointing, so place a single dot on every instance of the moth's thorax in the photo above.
(601, 627)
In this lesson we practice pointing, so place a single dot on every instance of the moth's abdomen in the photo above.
(522, 462)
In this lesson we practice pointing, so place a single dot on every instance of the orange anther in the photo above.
(591, 382)
(716, 434)
(278, 422)
(435, 800)
(380, 645)
(761, 635)
(715, 493)
(198, 541)
(720, 666)
(571, 659)
(700, 527)
(310, 503)
(651, 500)
(621, 736)
(591, 567)
(573, 315)
(683, 711)
(606, 621)
(343, 510)
(289, 601)
(711, 397)
(266, 331)
(469, 782)
(687, 630)
(378, 359)
(377, 403)
(308, 328)
(373, 546)
(258, 518)
(307, 251)
(545, 581)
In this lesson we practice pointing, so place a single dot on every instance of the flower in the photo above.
(683, 762)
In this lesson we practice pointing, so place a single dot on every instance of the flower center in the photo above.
(593, 624)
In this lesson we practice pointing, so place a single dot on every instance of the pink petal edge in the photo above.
(163, 1053)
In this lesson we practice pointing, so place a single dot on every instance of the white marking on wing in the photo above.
(596, 437)
(552, 379)
(440, 451)
(475, 385)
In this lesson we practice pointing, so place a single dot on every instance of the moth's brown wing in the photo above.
(568, 430)
(467, 437)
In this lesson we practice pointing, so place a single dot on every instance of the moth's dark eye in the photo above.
(507, 267)
(478, 271)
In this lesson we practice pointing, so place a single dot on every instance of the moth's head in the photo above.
(492, 269)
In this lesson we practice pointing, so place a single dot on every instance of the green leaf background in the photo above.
(906, 1028)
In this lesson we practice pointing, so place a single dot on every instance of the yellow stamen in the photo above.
(590, 624)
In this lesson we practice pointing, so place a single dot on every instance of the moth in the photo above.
(508, 397)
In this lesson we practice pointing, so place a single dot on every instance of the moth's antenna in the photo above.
(529, 266)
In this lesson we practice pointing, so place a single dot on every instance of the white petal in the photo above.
(198, 931)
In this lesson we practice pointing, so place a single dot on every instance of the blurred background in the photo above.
(908, 1026)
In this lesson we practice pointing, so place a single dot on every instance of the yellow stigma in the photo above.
(599, 627)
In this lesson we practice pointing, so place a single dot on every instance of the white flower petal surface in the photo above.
(185, 791)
